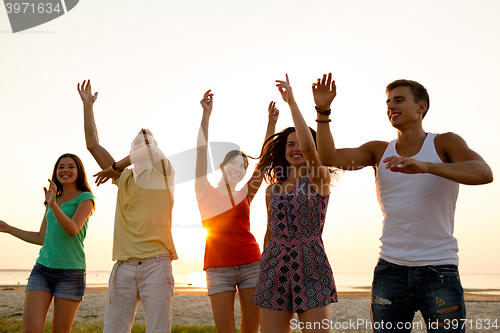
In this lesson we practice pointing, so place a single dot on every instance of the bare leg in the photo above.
(249, 311)
(64, 315)
(223, 311)
(35, 309)
(273, 321)
(313, 320)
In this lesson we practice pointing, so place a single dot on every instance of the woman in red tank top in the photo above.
(232, 255)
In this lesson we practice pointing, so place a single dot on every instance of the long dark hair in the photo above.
(81, 180)
(273, 164)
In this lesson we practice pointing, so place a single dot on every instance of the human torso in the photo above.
(60, 250)
(418, 212)
(143, 216)
(229, 241)
(294, 261)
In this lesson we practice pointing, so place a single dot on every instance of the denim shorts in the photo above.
(227, 278)
(60, 283)
(399, 291)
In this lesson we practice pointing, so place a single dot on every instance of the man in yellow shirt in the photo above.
(142, 246)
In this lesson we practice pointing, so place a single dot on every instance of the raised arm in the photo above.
(70, 225)
(149, 154)
(319, 174)
(461, 164)
(201, 181)
(101, 155)
(369, 154)
(255, 181)
(32, 237)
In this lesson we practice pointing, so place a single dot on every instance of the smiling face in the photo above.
(235, 169)
(293, 154)
(67, 171)
(402, 108)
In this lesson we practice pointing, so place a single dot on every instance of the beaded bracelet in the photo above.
(323, 112)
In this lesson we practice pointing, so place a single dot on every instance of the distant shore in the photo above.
(192, 306)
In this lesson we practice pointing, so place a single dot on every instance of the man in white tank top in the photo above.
(417, 177)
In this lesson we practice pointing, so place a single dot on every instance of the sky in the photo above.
(152, 61)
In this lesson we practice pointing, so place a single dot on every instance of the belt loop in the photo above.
(157, 258)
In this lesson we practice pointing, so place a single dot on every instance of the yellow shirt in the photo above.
(143, 218)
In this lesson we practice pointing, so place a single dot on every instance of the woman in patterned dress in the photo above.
(295, 276)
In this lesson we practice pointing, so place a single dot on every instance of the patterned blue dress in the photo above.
(294, 271)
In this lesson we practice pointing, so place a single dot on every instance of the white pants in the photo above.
(149, 280)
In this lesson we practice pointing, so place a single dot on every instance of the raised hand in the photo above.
(273, 112)
(207, 102)
(405, 165)
(285, 90)
(86, 92)
(50, 194)
(324, 91)
(104, 175)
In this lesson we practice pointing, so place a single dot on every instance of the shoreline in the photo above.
(474, 295)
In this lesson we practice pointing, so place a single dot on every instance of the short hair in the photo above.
(419, 92)
(147, 132)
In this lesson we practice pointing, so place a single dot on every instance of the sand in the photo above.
(192, 306)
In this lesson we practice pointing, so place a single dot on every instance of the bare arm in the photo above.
(101, 155)
(255, 181)
(70, 225)
(32, 237)
(369, 154)
(319, 174)
(201, 181)
(267, 237)
(461, 164)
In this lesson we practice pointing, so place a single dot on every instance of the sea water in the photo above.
(479, 283)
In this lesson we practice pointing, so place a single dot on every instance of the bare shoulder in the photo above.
(445, 142)
(448, 138)
(452, 147)
(376, 149)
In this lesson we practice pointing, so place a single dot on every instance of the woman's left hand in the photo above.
(50, 194)
(285, 90)
(273, 112)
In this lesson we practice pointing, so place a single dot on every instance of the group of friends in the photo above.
(417, 179)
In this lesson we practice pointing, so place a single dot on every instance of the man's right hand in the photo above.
(324, 91)
(207, 102)
(86, 92)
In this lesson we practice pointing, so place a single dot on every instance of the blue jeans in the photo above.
(60, 283)
(400, 291)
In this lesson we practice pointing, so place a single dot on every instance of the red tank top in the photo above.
(229, 241)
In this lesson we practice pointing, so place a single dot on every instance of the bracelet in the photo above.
(325, 112)
(323, 121)
(113, 168)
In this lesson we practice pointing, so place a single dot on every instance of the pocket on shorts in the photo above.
(75, 273)
(382, 265)
(444, 270)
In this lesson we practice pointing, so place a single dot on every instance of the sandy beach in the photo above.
(192, 306)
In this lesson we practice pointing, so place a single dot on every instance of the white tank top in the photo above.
(419, 212)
